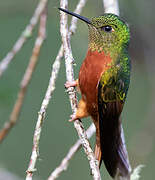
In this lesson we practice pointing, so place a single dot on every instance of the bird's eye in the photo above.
(107, 29)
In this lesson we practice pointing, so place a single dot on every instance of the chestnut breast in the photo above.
(92, 67)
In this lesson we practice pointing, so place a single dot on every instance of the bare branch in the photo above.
(64, 163)
(23, 37)
(111, 6)
(48, 95)
(72, 95)
(26, 78)
(74, 20)
(41, 115)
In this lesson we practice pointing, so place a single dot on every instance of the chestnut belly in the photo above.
(91, 70)
(89, 93)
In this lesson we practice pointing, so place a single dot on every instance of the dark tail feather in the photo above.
(114, 153)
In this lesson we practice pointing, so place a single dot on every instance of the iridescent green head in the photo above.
(107, 33)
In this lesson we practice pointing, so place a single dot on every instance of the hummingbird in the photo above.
(103, 81)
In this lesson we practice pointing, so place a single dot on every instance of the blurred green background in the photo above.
(58, 134)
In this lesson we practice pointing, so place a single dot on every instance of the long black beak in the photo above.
(76, 15)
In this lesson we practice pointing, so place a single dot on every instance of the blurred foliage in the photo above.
(58, 135)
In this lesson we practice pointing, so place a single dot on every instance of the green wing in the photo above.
(113, 86)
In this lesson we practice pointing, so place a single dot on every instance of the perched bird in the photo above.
(104, 79)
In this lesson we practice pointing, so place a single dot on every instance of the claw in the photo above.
(70, 84)
(73, 118)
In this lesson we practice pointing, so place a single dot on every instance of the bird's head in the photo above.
(106, 33)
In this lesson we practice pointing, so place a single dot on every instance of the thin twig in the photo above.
(74, 20)
(64, 163)
(23, 37)
(41, 115)
(48, 95)
(111, 6)
(26, 78)
(72, 95)
(39, 41)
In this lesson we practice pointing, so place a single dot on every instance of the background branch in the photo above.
(33, 61)
(23, 37)
(41, 115)
(111, 6)
(26, 78)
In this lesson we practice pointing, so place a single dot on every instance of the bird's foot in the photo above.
(70, 84)
(73, 118)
